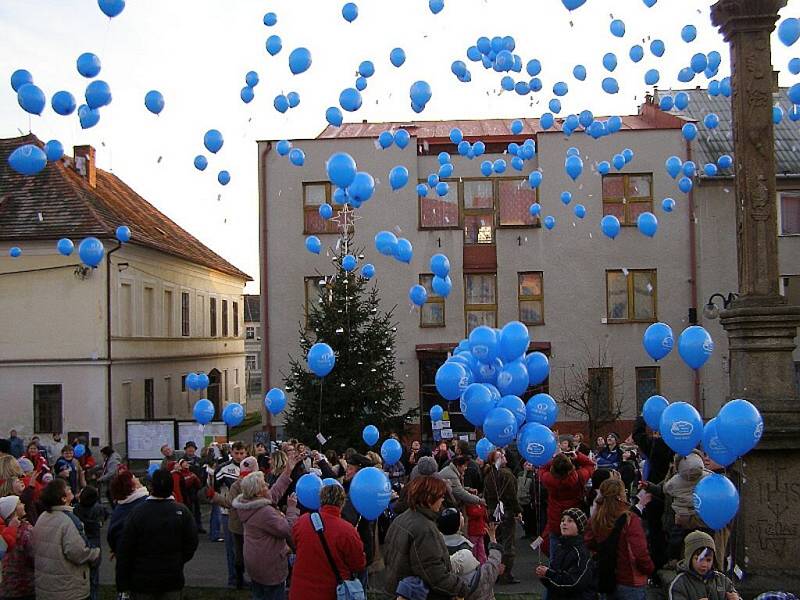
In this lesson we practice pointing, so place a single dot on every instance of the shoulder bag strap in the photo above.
(320, 531)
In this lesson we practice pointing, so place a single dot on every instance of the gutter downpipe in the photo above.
(109, 404)
(693, 275)
(264, 279)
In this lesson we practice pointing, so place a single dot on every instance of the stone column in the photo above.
(761, 327)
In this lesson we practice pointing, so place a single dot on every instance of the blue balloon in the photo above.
(403, 250)
(610, 226)
(283, 147)
(418, 295)
(63, 103)
(151, 470)
(98, 94)
(658, 340)
(442, 286)
(420, 93)
(549, 222)
(685, 185)
(513, 378)
(689, 131)
(794, 66)
(397, 57)
(330, 481)
(192, 381)
(203, 411)
(111, 8)
(313, 244)
(580, 211)
(651, 77)
(499, 166)
(500, 426)
(668, 205)
(297, 157)
(366, 69)
(535, 209)
(350, 12)
(777, 115)
(436, 413)
(451, 380)
(386, 139)
(299, 60)
(391, 451)
(673, 166)
(579, 72)
(349, 263)
(270, 19)
(385, 242)
(88, 117)
(213, 141)
(537, 444)
(53, 150)
(681, 100)
(603, 167)
(710, 169)
(789, 31)
(516, 406)
(610, 85)
(695, 346)
(666, 103)
(398, 177)
(19, 78)
(476, 402)
(233, 414)
(321, 359)
(224, 177)
(401, 138)
(281, 103)
(636, 53)
(483, 448)
(154, 101)
(368, 271)
(350, 99)
(31, 98)
(247, 94)
(200, 162)
(341, 169)
(716, 500)
(65, 246)
(647, 223)
(725, 161)
(688, 33)
(88, 65)
(484, 344)
(617, 28)
(275, 400)
(442, 188)
(15, 252)
(681, 427)
(370, 492)
(274, 45)
(555, 105)
(618, 161)
(740, 426)
(325, 211)
(436, 6)
(657, 48)
(445, 171)
(123, 233)
(652, 409)
(513, 341)
(714, 447)
(573, 166)
(725, 88)
(610, 61)
(334, 116)
(91, 251)
(307, 489)
(541, 408)
(202, 381)
(370, 435)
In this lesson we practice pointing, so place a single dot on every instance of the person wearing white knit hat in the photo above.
(8, 506)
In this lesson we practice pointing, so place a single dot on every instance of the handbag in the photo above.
(607, 558)
(347, 589)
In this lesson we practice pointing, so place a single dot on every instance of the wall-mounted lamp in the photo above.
(711, 310)
(82, 272)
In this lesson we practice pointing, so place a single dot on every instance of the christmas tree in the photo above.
(361, 390)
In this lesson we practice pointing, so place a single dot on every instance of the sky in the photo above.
(197, 52)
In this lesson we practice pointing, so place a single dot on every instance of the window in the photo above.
(791, 289)
(236, 376)
(183, 383)
(184, 313)
(314, 287)
(478, 205)
(790, 213)
(480, 300)
(514, 198)
(250, 333)
(168, 389)
(149, 400)
(631, 295)
(531, 298)
(250, 362)
(167, 313)
(314, 195)
(431, 314)
(200, 316)
(648, 383)
(148, 314)
(236, 319)
(224, 318)
(627, 196)
(601, 391)
(125, 310)
(212, 313)
(47, 409)
(439, 212)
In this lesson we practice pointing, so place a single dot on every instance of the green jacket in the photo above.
(688, 585)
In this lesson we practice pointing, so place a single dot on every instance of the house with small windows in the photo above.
(585, 298)
(252, 348)
(82, 349)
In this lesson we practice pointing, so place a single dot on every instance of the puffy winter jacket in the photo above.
(564, 493)
(570, 575)
(62, 556)
(633, 558)
(609, 459)
(453, 478)
(119, 517)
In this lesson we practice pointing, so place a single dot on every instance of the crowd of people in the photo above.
(604, 520)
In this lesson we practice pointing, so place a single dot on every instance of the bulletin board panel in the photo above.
(145, 438)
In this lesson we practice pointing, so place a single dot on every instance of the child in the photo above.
(191, 487)
(696, 577)
(18, 574)
(449, 524)
(92, 515)
(477, 527)
(570, 573)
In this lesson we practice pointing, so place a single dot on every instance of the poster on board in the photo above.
(145, 438)
(202, 435)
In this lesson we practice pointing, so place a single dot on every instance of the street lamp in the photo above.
(711, 310)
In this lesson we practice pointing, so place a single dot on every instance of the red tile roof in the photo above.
(70, 207)
(486, 129)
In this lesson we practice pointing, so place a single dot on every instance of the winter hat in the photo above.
(248, 465)
(696, 541)
(449, 521)
(8, 504)
(25, 464)
(427, 466)
(412, 588)
(464, 562)
(577, 515)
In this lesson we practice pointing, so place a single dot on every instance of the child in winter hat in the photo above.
(569, 575)
(696, 577)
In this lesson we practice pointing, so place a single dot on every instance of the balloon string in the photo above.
(319, 428)
(538, 489)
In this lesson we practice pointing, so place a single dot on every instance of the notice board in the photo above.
(145, 438)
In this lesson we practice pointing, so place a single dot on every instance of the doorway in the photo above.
(213, 391)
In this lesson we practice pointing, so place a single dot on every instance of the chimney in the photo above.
(85, 163)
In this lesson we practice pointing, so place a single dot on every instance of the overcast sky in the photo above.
(197, 52)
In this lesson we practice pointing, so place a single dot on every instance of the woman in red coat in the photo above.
(312, 577)
(565, 478)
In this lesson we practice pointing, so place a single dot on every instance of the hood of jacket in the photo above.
(691, 467)
(246, 507)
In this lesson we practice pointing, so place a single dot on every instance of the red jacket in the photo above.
(563, 493)
(312, 577)
(633, 558)
(476, 520)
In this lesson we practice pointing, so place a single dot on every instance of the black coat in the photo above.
(571, 572)
(659, 455)
(159, 538)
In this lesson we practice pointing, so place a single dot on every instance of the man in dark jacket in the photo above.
(472, 475)
(500, 493)
(365, 528)
(159, 538)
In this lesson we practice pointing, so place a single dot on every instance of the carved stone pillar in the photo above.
(761, 327)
